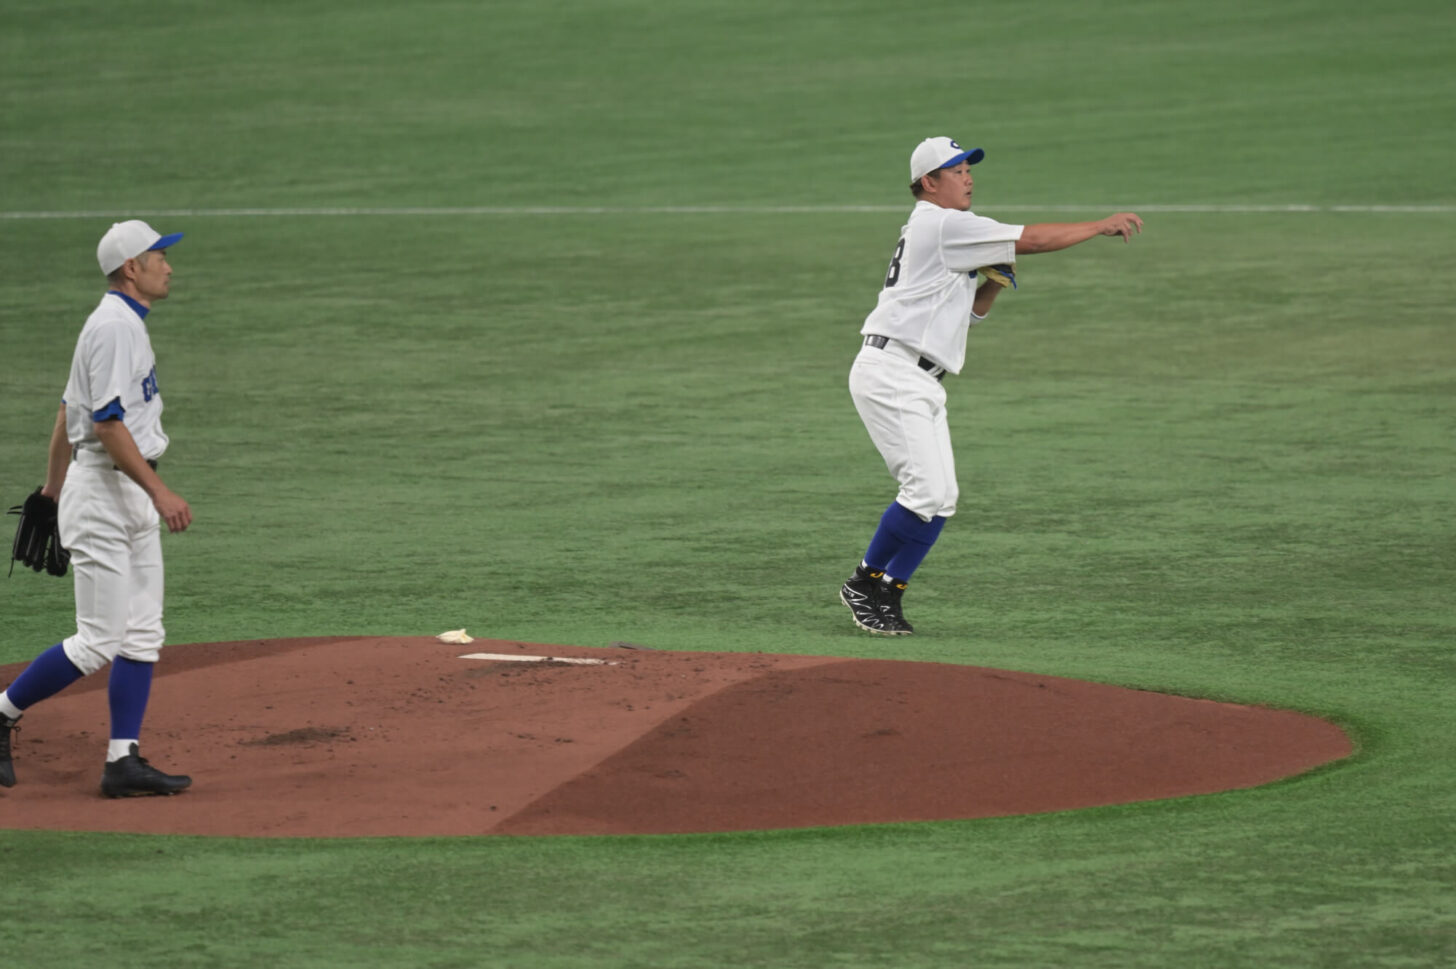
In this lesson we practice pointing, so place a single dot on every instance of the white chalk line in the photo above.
(547, 210)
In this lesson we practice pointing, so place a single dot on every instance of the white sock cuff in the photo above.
(7, 708)
(118, 749)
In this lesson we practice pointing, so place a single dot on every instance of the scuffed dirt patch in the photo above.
(303, 735)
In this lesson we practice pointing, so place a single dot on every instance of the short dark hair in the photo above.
(117, 276)
(917, 188)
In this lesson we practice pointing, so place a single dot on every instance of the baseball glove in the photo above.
(38, 536)
(1002, 274)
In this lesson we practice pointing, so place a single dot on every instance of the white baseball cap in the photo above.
(936, 153)
(127, 240)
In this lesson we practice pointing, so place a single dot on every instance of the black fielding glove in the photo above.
(38, 536)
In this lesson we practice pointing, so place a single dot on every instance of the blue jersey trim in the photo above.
(141, 310)
(111, 412)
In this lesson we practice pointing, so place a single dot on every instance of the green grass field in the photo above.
(593, 388)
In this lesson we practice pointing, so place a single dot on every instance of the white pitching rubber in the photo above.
(517, 658)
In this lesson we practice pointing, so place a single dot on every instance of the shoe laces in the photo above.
(7, 727)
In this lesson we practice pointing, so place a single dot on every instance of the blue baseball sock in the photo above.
(902, 541)
(128, 691)
(48, 674)
(913, 552)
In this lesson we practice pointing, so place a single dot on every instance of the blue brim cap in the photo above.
(971, 157)
(172, 239)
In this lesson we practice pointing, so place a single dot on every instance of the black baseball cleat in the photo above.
(861, 592)
(7, 769)
(132, 776)
(891, 615)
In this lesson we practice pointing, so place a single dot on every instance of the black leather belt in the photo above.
(924, 363)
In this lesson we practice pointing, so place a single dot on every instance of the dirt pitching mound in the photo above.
(341, 737)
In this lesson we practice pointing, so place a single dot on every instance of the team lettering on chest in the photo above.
(149, 385)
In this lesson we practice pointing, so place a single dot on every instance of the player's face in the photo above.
(950, 188)
(953, 188)
(154, 274)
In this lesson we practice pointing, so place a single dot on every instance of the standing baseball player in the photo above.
(103, 471)
(915, 335)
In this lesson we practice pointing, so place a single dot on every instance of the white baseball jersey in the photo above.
(931, 285)
(106, 519)
(114, 373)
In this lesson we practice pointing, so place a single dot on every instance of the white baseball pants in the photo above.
(113, 533)
(903, 408)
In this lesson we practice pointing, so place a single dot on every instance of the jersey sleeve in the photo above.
(111, 412)
(972, 241)
(110, 362)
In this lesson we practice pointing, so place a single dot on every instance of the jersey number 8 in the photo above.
(893, 276)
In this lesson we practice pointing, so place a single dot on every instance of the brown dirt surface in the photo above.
(346, 737)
